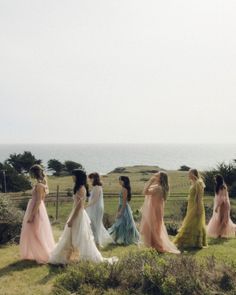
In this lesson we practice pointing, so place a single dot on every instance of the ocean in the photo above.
(105, 157)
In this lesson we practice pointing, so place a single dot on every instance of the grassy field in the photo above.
(138, 175)
(26, 278)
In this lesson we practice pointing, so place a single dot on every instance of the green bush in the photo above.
(172, 228)
(15, 182)
(146, 272)
(10, 221)
(228, 171)
(23, 204)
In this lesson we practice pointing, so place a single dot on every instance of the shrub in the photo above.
(23, 204)
(10, 221)
(146, 272)
(172, 228)
(228, 171)
(15, 182)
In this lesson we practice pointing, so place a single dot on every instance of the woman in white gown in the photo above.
(95, 210)
(77, 241)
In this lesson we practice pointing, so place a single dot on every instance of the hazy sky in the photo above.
(117, 71)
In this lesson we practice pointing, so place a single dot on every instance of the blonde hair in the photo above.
(197, 176)
(37, 172)
(164, 183)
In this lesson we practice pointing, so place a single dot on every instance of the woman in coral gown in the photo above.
(77, 241)
(152, 227)
(95, 211)
(36, 240)
(221, 225)
(124, 230)
(192, 233)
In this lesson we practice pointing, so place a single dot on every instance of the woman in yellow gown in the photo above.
(192, 233)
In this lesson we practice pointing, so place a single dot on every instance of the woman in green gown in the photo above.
(192, 233)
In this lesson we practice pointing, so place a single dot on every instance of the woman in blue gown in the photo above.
(124, 230)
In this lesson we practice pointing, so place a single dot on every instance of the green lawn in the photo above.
(26, 278)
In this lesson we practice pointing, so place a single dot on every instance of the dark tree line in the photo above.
(14, 170)
(228, 171)
(65, 168)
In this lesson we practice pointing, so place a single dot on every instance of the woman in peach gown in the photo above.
(152, 228)
(36, 240)
(221, 225)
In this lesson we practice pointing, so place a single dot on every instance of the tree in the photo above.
(15, 182)
(184, 168)
(71, 165)
(228, 171)
(22, 162)
(56, 166)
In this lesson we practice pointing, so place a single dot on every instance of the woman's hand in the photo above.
(31, 219)
(69, 223)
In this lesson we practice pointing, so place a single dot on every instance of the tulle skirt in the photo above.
(77, 243)
(124, 230)
(36, 240)
(221, 224)
(101, 235)
(152, 227)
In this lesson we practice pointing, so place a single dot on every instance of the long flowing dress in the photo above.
(95, 211)
(124, 230)
(152, 227)
(36, 240)
(192, 233)
(221, 224)
(77, 242)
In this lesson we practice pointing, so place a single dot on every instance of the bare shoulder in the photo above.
(40, 187)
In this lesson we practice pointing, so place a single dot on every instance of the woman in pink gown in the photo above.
(36, 240)
(221, 225)
(152, 228)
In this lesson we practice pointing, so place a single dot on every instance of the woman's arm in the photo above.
(39, 196)
(96, 196)
(76, 209)
(147, 190)
(124, 195)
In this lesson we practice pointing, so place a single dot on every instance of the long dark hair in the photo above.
(96, 178)
(81, 180)
(126, 184)
(219, 183)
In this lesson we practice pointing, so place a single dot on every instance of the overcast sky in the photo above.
(84, 71)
